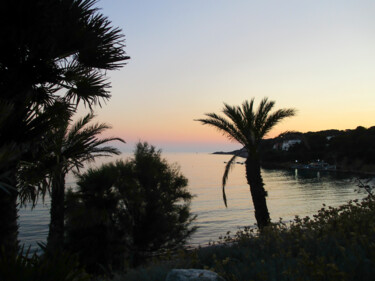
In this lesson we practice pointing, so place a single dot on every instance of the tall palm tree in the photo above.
(248, 126)
(67, 148)
(48, 50)
(12, 150)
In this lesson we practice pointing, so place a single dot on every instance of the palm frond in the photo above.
(248, 111)
(89, 87)
(275, 118)
(235, 114)
(106, 52)
(224, 126)
(79, 124)
(65, 148)
(249, 117)
(81, 143)
(264, 109)
(228, 168)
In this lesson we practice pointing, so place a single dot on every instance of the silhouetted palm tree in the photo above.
(67, 148)
(248, 127)
(49, 50)
(14, 150)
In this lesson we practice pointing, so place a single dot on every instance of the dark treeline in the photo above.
(54, 57)
(348, 149)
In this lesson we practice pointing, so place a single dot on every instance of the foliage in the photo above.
(349, 149)
(49, 46)
(249, 126)
(335, 244)
(51, 53)
(130, 210)
(27, 267)
(65, 148)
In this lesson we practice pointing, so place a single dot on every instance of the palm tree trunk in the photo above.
(258, 193)
(8, 225)
(55, 239)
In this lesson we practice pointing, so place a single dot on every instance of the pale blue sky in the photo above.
(188, 57)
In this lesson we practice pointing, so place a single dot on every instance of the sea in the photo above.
(291, 193)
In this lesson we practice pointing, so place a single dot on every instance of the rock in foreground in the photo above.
(193, 275)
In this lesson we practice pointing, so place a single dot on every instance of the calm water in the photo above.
(290, 193)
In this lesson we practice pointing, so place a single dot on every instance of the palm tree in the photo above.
(12, 151)
(66, 148)
(48, 50)
(248, 127)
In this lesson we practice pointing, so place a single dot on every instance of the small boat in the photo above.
(317, 165)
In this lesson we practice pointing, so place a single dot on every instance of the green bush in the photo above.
(123, 213)
(335, 244)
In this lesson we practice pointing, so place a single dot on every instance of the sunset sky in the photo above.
(188, 57)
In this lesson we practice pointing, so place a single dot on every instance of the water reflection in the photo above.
(290, 192)
(302, 192)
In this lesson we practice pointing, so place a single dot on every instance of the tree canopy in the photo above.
(51, 53)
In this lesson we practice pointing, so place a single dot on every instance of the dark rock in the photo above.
(193, 275)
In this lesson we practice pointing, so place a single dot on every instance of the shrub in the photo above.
(335, 244)
(27, 267)
(128, 211)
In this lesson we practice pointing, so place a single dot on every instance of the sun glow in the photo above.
(186, 61)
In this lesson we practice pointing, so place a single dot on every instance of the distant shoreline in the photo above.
(288, 165)
(241, 153)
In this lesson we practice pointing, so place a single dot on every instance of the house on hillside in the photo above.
(286, 144)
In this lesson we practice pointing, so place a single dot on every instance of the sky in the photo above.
(189, 57)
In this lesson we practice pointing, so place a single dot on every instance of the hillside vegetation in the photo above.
(352, 150)
(335, 244)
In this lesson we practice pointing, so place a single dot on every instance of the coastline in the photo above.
(289, 165)
(365, 171)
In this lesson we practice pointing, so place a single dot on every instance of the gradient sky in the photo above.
(188, 57)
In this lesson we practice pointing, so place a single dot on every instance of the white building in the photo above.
(288, 144)
(285, 145)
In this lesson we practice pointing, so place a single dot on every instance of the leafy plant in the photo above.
(55, 51)
(130, 210)
(335, 244)
(30, 267)
(66, 148)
